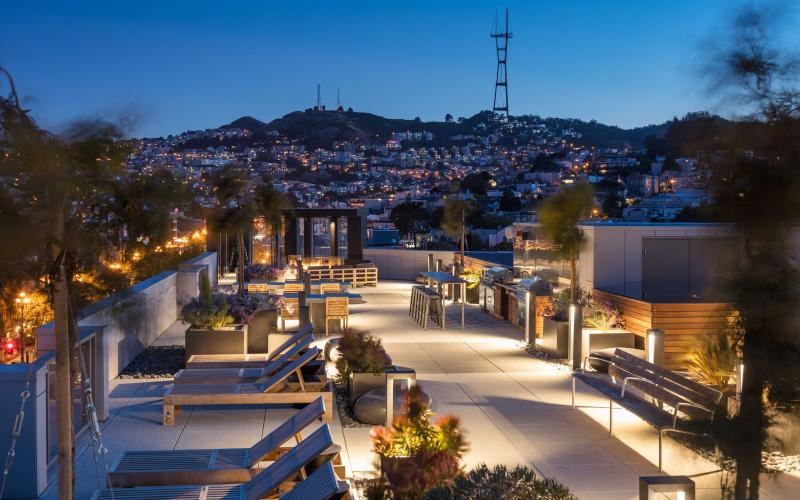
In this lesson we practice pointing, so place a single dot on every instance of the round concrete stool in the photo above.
(599, 359)
(371, 407)
(332, 350)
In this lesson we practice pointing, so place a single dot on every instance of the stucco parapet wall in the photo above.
(123, 295)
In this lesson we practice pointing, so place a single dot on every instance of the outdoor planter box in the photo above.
(363, 382)
(555, 337)
(258, 330)
(227, 340)
(594, 339)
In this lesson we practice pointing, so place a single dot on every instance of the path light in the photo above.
(739, 381)
(655, 346)
(651, 487)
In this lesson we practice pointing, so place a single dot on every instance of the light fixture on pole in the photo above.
(655, 346)
(739, 381)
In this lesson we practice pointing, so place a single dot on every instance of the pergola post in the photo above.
(308, 237)
(334, 230)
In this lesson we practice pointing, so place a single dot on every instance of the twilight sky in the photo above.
(179, 65)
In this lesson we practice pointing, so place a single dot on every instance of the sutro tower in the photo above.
(501, 81)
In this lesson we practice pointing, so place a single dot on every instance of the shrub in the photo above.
(360, 353)
(416, 455)
(208, 311)
(714, 360)
(264, 272)
(557, 309)
(519, 483)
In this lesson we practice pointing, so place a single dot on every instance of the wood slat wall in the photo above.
(683, 323)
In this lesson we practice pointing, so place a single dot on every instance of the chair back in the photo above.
(293, 287)
(289, 464)
(329, 287)
(286, 431)
(290, 308)
(322, 484)
(336, 306)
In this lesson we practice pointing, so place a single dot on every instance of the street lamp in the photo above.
(22, 300)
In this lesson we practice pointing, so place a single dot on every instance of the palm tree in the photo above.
(60, 181)
(270, 204)
(560, 215)
(454, 218)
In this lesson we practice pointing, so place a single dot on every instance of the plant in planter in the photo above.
(211, 329)
(604, 315)
(362, 363)
(417, 455)
(260, 312)
(555, 325)
(501, 482)
(473, 279)
(209, 311)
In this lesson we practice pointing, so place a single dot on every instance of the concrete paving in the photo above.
(515, 409)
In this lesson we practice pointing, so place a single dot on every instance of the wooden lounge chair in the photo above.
(241, 375)
(217, 466)
(322, 484)
(278, 389)
(248, 360)
(337, 308)
(289, 310)
(265, 484)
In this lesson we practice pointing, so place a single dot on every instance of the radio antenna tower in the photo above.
(501, 80)
(319, 102)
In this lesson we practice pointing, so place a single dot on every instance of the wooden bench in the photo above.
(668, 401)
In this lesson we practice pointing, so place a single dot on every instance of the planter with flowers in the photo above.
(362, 363)
(555, 314)
(604, 328)
(212, 328)
(263, 272)
(417, 456)
(259, 311)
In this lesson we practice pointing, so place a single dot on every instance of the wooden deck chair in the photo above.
(290, 309)
(241, 375)
(329, 287)
(287, 468)
(337, 308)
(293, 287)
(278, 389)
(227, 465)
(249, 360)
(322, 484)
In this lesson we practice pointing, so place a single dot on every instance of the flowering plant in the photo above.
(604, 315)
(416, 455)
(244, 306)
(557, 307)
(265, 272)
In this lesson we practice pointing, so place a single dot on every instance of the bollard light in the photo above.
(739, 380)
(655, 346)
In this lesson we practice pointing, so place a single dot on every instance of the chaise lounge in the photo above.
(277, 389)
(280, 474)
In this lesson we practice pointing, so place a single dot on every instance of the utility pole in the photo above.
(501, 78)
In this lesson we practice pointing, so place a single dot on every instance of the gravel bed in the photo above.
(156, 362)
(537, 352)
(346, 416)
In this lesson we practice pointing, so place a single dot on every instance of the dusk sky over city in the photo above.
(180, 66)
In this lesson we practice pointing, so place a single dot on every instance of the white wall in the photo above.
(612, 258)
(404, 264)
(134, 319)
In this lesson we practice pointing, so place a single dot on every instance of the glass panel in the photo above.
(343, 237)
(322, 236)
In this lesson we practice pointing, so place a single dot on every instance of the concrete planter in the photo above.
(362, 382)
(261, 325)
(595, 339)
(555, 337)
(227, 340)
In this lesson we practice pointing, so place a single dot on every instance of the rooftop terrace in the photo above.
(515, 409)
